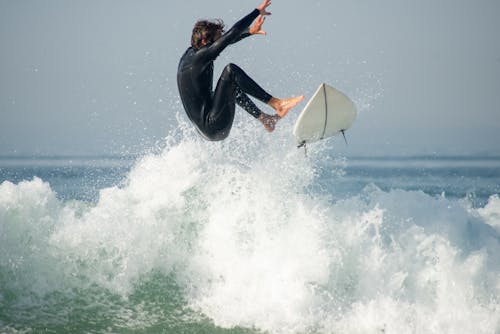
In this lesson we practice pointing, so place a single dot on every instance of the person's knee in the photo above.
(230, 70)
(231, 67)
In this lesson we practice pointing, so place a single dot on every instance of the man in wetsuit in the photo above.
(212, 112)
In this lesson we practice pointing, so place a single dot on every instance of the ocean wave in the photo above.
(234, 235)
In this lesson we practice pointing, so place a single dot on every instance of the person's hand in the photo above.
(262, 7)
(256, 27)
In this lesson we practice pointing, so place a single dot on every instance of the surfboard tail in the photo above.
(327, 113)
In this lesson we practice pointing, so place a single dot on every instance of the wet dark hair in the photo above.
(206, 30)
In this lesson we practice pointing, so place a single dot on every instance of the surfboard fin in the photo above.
(343, 134)
(303, 144)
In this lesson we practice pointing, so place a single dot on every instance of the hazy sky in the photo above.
(98, 76)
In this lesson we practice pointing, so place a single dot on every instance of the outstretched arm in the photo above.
(239, 30)
(256, 27)
(236, 33)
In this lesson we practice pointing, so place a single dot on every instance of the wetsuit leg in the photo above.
(245, 83)
(233, 86)
(221, 114)
(244, 101)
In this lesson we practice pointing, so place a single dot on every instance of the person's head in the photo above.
(206, 32)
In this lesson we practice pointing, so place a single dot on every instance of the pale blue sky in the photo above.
(97, 77)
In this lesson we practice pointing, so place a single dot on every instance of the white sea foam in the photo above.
(254, 240)
(491, 212)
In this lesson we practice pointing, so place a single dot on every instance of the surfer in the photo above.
(212, 112)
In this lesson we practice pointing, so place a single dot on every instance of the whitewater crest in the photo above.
(252, 237)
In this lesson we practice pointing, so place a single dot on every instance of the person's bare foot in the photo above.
(269, 121)
(283, 106)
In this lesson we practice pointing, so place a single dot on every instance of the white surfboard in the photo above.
(328, 112)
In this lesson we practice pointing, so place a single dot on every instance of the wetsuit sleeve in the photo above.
(244, 34)
(237, 32)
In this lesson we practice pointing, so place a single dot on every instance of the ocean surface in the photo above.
(249, 236)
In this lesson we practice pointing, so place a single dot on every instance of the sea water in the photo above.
(249, 235)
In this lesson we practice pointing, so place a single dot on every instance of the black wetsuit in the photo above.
(212, 112)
